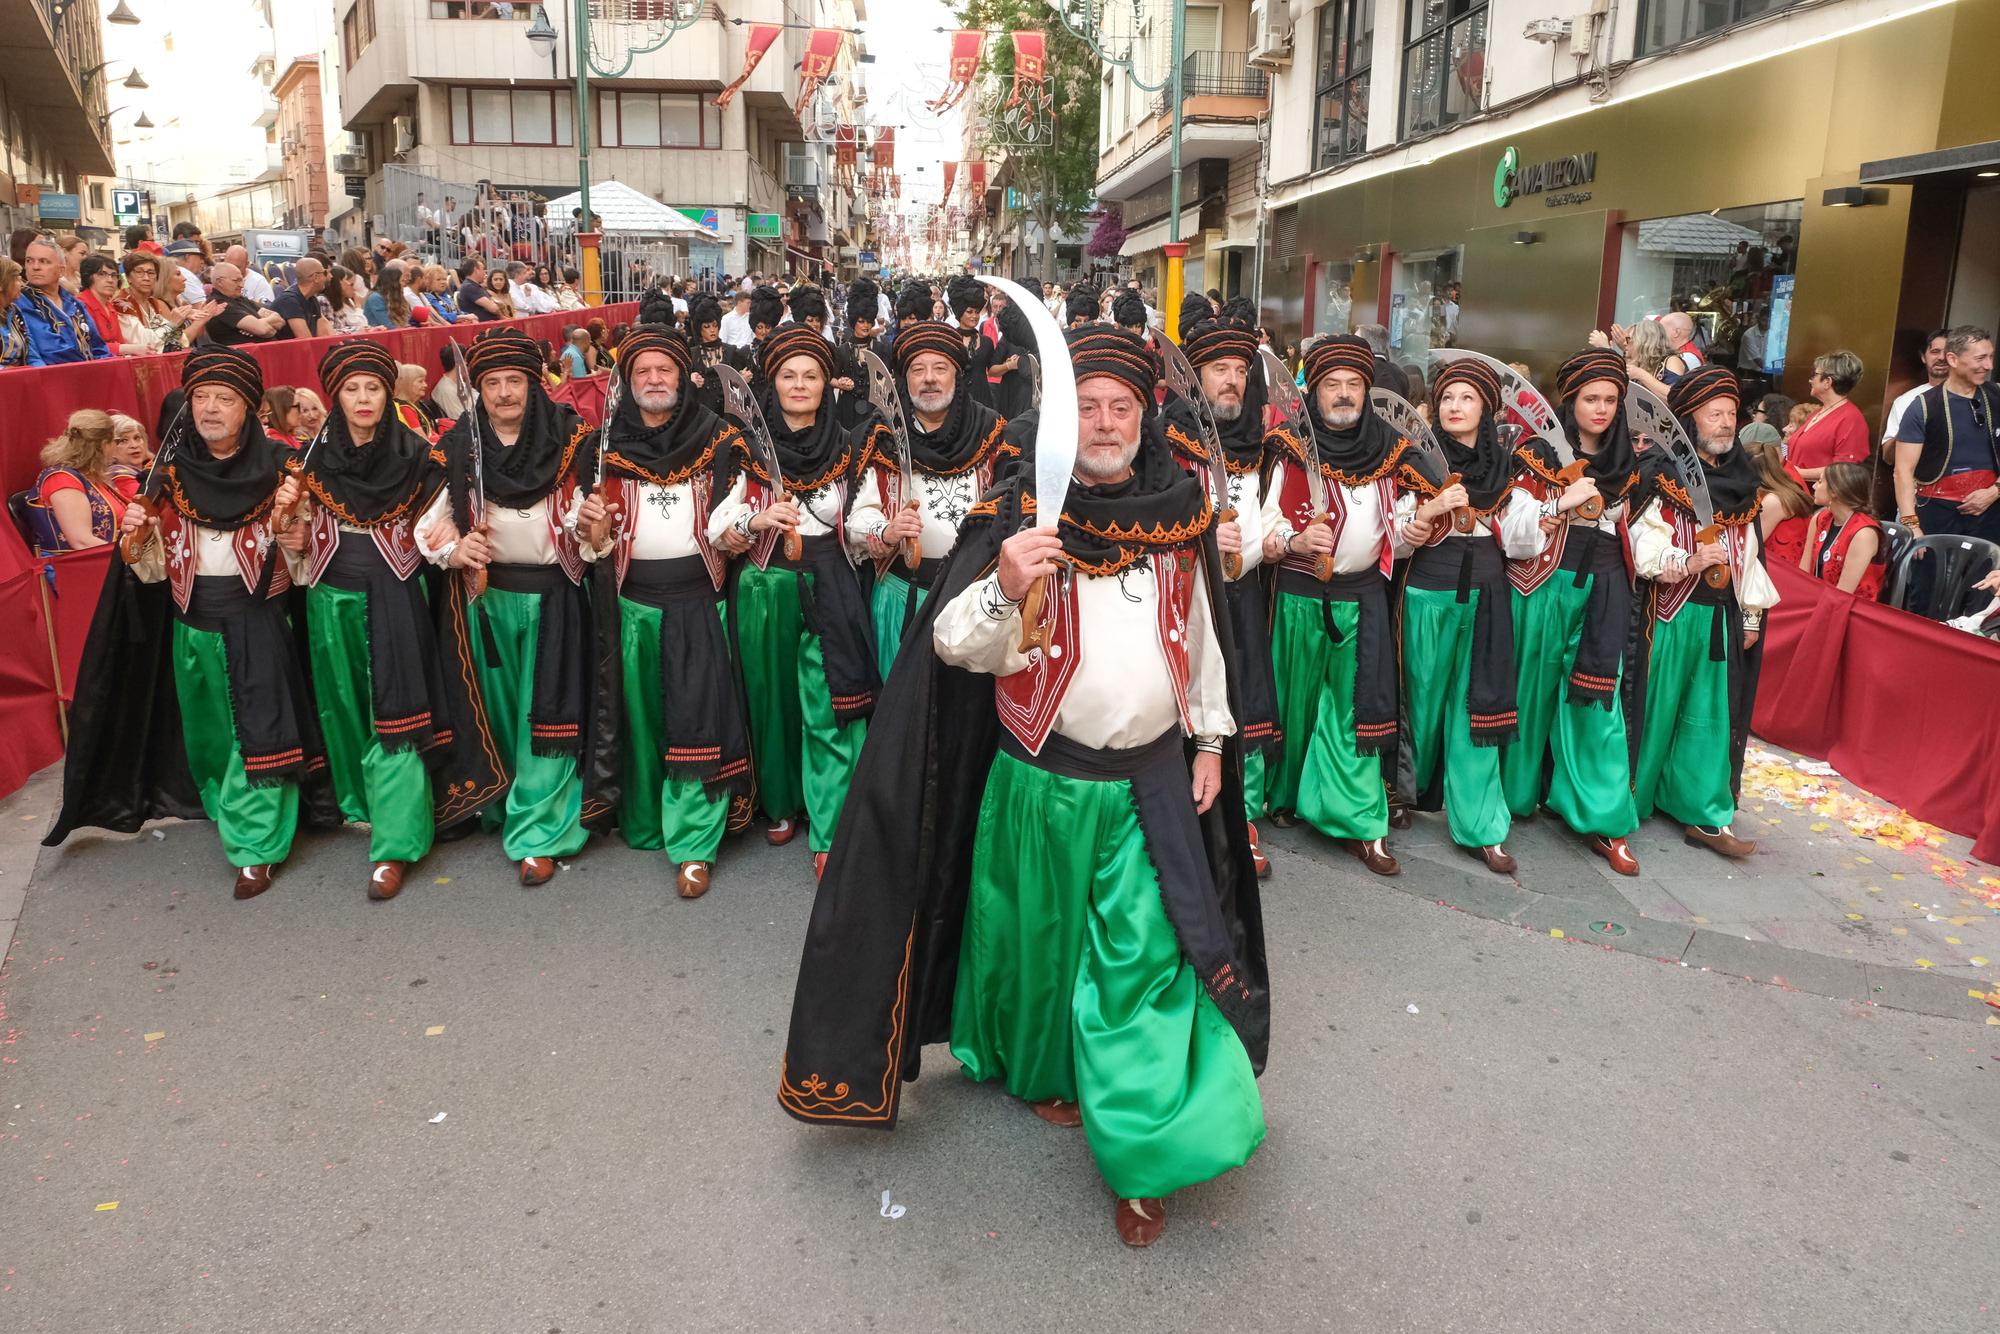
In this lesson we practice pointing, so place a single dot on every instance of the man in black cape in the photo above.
(1020, 790)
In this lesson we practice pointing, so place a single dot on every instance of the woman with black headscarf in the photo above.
(1458, 628)
(802, 626)
(1572, 607)
(1017, 342)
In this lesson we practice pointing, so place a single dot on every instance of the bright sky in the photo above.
(910, 65)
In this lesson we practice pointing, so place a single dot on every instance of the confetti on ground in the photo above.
(1854, 917)
(1557, 932)
(442, 880)
(439, 1118)
(1925, 963)
(107, 1207)
(1411, 1009)
(434, 1031)
(1978, 962)
(154, 1037)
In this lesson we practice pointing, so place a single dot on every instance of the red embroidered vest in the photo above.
(1671, 597)
(250, 544)
(396, 541)
(624, 491)
(1295, 501)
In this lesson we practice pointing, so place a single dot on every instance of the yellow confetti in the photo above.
(1869, 861)
(1953, 940)
(435, 1030)
(1557, 932)
(1854, 917)
(1925, 963)
(1977, 995)
(1978, 962)
(1961, 921)
(1899, 930)
(1774, 822)
(1895, 875)
(1819, 828)
(1993, 1020)
(1991, 882)
(442, 880)
(1874, 889)
(107, 1206)
(155, 1037)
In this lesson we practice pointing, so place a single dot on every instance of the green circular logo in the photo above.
(1503, 178)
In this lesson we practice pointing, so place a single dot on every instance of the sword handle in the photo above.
(1323, 563)
(1715, 576)
(1033, 633)
(133, 545)
(475, 579)
(795, 545)
(1591, 510)
(913, 547)
(1232, 561)
(1461, 519)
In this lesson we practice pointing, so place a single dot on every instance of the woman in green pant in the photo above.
(802, 627)
(1572, 608)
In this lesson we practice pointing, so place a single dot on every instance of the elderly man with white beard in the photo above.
(1065, 835)
(668, 461)
(953, 442)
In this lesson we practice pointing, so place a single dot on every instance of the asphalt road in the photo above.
(1560, 1138)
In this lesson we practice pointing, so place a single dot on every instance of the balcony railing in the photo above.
(1216, 74)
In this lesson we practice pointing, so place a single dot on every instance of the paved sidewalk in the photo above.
(1846, 897)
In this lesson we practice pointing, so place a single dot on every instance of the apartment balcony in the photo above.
(1222, 98)
(1224, 74)
(805, 172)
(45, 60)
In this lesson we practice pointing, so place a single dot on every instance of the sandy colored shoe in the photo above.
(1722, 839)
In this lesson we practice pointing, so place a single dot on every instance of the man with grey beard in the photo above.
(953, 442)
(684, 741)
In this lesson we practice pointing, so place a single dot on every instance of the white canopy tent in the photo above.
(626, 212)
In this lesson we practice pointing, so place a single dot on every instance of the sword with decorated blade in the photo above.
(1406, 421)
(614, 394)
(1646, 415)
(468, 394)
(1055, 439)
(1291, 406)
(882, 393)
(739, 402)
(1181, 378)
(1528, 403)
(133, 545)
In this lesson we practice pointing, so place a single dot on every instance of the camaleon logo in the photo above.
(1511, 179)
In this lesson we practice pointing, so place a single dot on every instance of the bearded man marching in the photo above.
(1086, 932)
(1700, 675)
(516, 466)
(190, 700)
(1334, 638)
(668, 462)
(953, 442)
(393, 690)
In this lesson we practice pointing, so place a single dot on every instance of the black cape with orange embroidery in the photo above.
(881, 953)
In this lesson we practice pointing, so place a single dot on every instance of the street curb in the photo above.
(1916, 990)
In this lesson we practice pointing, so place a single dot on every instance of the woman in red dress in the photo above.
(1783, 498)
(1836, 432)
(1844, 546)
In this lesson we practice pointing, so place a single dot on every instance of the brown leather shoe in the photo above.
(1140, 1222)
(1058, 1113)
(252, 881)
(819, 865)
(780, 832)
(385, 881)
(693, 880)
(537, 870)
(1375, 855)
(1284, 819)
(1498, 860)
(1722, 840)
(1257, 857)
(1613, 850)
(1400, 817)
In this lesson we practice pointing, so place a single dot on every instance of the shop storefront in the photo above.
(1738, 198)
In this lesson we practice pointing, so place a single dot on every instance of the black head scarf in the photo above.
(224, 494)
(1486, 467)
(1732, 477)
(379, 482)
(1615, 465)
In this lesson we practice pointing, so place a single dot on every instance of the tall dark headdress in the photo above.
(1486, 467)
(390, 477)
(1732, 478)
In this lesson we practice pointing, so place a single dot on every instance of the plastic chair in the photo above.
(1896, 540)
(20, 507)
(1935, 576)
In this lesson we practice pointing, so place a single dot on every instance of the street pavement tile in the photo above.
(1927, 992)
(1762, 961)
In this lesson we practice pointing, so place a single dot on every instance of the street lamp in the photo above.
(542, 34)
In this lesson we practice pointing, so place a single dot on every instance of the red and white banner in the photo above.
(846, 150)
(1030, 61)
(821, 49)
(950, 177)
(761, 37)
(966, 44)
(978, 184)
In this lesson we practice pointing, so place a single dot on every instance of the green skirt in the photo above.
(891, 607)
(1589, 774)
(1071, 985)
(1437, 673)
(1684, 750)
(256, 822)
(658, 810)
(805, 759)
(1321, 776)
(388, 792)
(543, 816)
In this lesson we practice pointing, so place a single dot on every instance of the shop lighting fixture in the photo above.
(1526, 238)
(1988, 175)
(1853, 196)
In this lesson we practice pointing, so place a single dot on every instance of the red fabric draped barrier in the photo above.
(1901, 705)
(39, 400)
(30, 728)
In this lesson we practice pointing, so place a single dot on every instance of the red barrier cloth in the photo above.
(1900, 705)
(37, 401)
(586, 395)
(30, 730)
(78, 579)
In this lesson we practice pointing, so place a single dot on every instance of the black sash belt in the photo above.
(410, 703)
(560, 692)
(1457, 564)
(525, 578)
(214, 599)
(268, 698)
(836, 611)
(659, 582)
(1073, 759)
(1476, 563)
(357, 563)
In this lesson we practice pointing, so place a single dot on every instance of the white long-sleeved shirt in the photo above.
(1121, 695)
(735, 330)
(1249, 504)
(1519, 517)
(517, 537)
(214, 554)
(666, 524)
(1358, 544)
(1655, 555)
(819, 513)
(945, 501)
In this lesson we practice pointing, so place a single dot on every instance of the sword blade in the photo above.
(740, 403)
(883, 394)
(1652, 420)
(1406, 421)
(1055, 434)
(1291, 406)
(1183, 380)
(1526, 401)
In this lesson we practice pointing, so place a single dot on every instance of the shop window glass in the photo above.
(1424, 304)
(1346, 37)
(1668, 23)
(1332, 299)
(1444, 63)
(1732, 271)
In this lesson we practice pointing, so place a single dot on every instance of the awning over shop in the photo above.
(1944, 162)
(1154, 236)
(1694, 234)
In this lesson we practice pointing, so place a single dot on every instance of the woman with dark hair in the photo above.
(1784, 500)
(359, 262)
(346, 295)
(497, 289)
(387, 307)
(278, 414)
(1844, 546)
(97, 288)
(1772, 410)
(13, 330)
(1017, 340)
(145, 319)
(1836, 432)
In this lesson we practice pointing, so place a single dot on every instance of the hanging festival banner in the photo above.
(821, 48)
(761, 37)
(950, 175)
(966, 44)
(1030, 61)
(845, 150)
(978, 184)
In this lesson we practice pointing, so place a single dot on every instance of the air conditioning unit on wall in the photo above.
(406, 133)
(1270, 34)
(351, 164)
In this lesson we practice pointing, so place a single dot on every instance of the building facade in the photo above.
(302, 144)
(54, 126)
(1487, 175)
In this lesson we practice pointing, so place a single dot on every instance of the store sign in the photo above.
(766, 225)
(356, 187)
(707, 217)
(61, 208)
(125, 207)
(1513, 179)
(869, 261)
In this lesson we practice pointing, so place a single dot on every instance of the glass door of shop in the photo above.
(1424, 301)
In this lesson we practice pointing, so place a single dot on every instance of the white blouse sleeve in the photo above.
(440, 510)
(1208, 678)
(1654, 555)
(734, 511)
(1754, 592)
(1520, 525)
(980, 630)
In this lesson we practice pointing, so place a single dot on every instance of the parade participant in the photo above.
(1334, 639)
(515, 464)
(1088, 931)
(190, 700)
(1128, 312)
(953, 442)
(801, 622)
(707, 351)
(852, 405)
(1015, 388)
(1700, 675)
(767, 312)
(1081, 308)
(394, 705)
(967, 298)
(667, 462)
(1572, 609)
(1224, 356)
(1458, 626)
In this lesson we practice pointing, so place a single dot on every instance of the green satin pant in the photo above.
(891, 608)
(256, 822)
(1590, 777)
(658, 811)
(1320, 775)
(1684, 760)
(543, 815)
(1437, 673)
(805, 759)
(388, 792)
(1071, 985)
